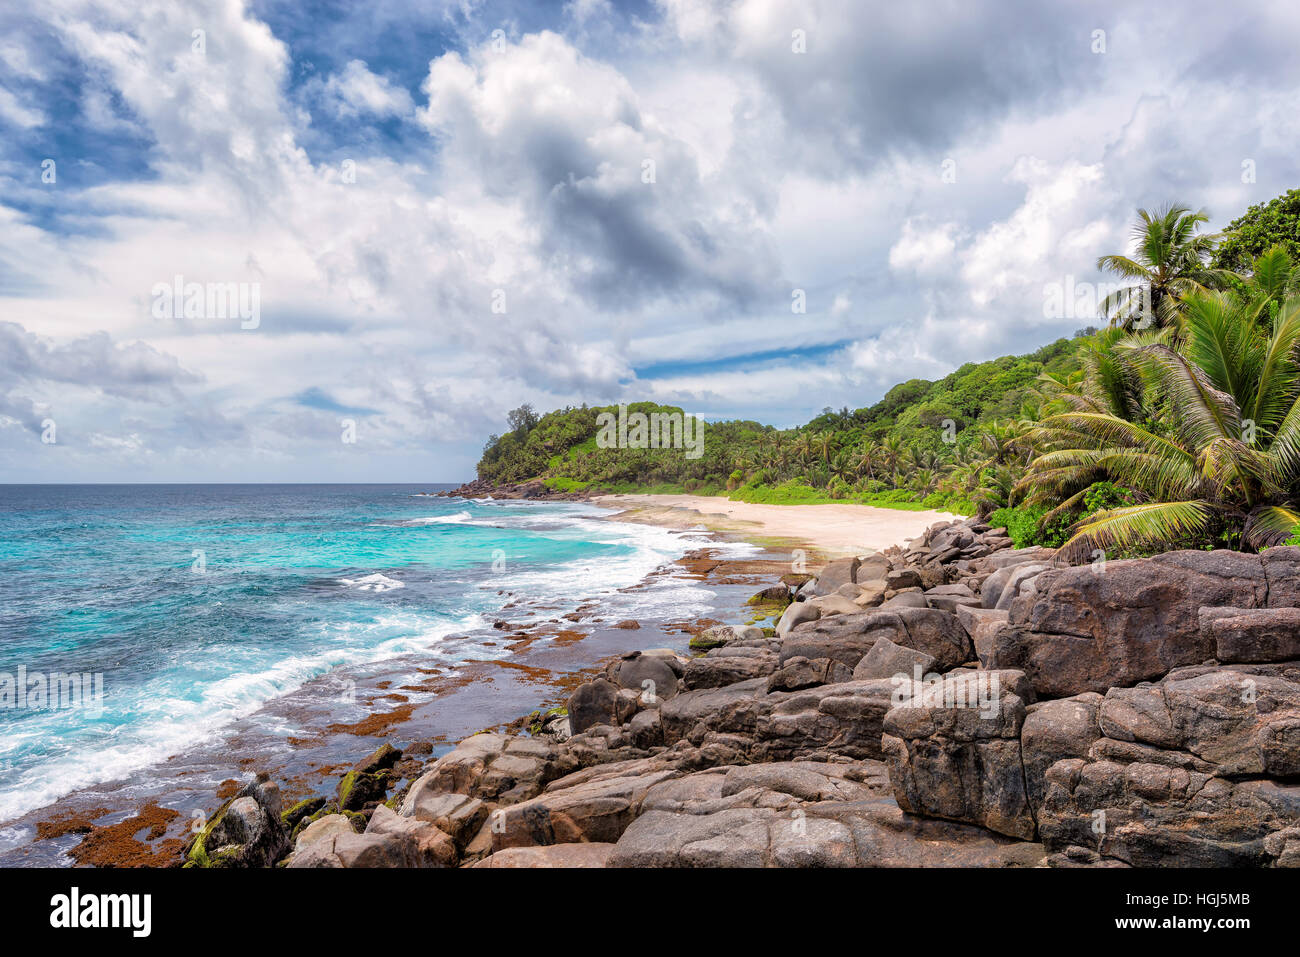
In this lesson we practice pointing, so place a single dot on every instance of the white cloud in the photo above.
(355, 91)
(1011, 252)
(15, 112)
(923, 250)
(772, 171)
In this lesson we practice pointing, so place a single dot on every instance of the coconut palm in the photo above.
(1169, 261)
(802, 448)
(824, 444)
(891, 454)
(924, 481)
(1000, 442)
(843, 465)
(1274, 278)
(1229, 460)
(865, 460)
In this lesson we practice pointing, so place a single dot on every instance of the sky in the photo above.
(434, 212)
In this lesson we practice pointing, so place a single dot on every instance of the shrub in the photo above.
(1025, 526)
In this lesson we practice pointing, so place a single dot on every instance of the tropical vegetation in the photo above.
(1176, 424)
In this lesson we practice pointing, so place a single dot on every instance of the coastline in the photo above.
(834, 531)
(543, 660)
(677, 751)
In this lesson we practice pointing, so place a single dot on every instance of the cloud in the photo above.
(355, 91)
(14, 112)
(637, 188)
(617, 202)
(922, 249)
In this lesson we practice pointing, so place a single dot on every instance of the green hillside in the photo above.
(897, 452)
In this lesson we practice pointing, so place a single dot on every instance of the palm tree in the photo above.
(824, 443)
(802, 448)
(1169, 261)
(891, 454)
(842, 465)
(1000, 441)
(1229, 460)
(865, 458)
(1274, 278)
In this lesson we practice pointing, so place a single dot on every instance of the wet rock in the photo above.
(595, 702)
(246, 831)
(368, 781)
(720, 635)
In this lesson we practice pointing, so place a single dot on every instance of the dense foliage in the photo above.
(1275, 223)
(1176, 425)
(924, 442)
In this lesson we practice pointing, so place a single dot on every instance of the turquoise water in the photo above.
(197, 604)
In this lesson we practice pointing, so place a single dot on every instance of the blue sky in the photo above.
(447, 209)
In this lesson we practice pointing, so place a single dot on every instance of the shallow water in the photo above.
(226, 620)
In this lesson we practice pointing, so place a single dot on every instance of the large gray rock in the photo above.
(982, 624)
(871, 832)
(648, 674)
(725, 666)
(594, 805)
(886, 659)
(492, 767)
(596, 702)
(953, 751)
(548, 856)
(1266, 634)
(1054, 731)
(843, 719)
(1196, 770)
(847, 638)
(800, 673)
(1094, 627)
(950, 597)
(796, 614)
(839, 572)
(1017, 578)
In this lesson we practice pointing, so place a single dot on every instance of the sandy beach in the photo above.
(833, 530)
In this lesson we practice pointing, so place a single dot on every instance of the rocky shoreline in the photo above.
(953, 703)
(534, 489)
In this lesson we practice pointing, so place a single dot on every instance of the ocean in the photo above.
(196, 605)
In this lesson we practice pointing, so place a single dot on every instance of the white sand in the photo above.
(834, 530)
